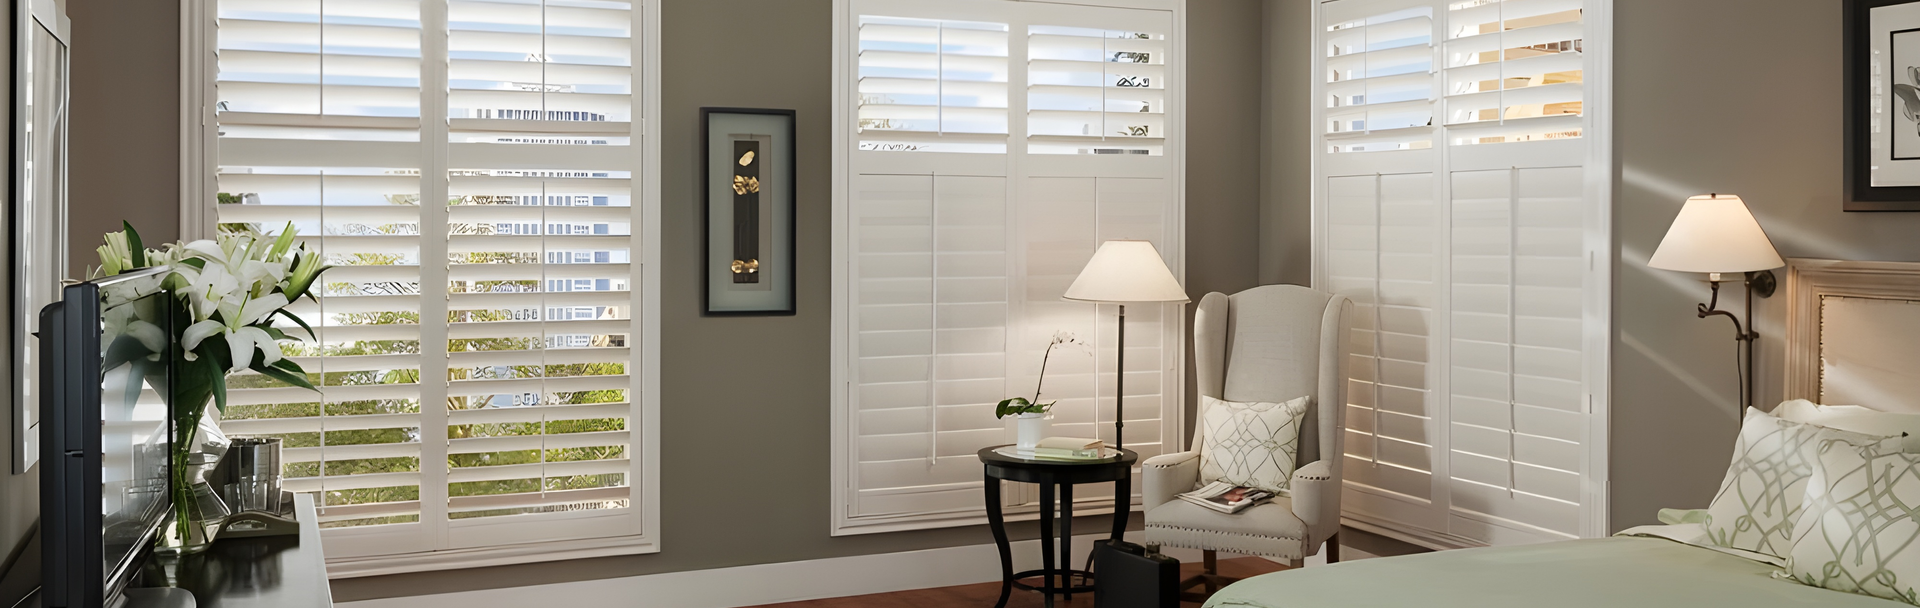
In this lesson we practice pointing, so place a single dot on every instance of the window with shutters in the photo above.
(479, 174)
(1463, 200)
(955, 247)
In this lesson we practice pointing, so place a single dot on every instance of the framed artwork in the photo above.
(749, 190)
(1882, 52)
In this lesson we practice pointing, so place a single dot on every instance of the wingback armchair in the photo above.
(1267, 344)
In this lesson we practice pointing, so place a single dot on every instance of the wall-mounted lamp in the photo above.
(1717, 235)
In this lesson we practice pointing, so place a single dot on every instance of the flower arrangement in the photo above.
(228, 292)
(1022, 405)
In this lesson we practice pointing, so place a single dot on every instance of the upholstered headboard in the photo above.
(1853, 333)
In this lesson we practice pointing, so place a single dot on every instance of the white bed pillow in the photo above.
(1760, 497)
(1250, 444)
(1855, 533)
(1853, 418)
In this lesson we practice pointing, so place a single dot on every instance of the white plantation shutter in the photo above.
(1467, 239)
(958, 247)
(481, 360)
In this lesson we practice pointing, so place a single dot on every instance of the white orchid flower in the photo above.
(242, 337)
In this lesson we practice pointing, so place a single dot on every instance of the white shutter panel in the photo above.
(932, 86)
(531, 318)
(319, 124)
(1093, 91)
(1379, 75)
(1470, 419)
(1514, 71)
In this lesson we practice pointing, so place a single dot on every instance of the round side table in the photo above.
(1049, 474)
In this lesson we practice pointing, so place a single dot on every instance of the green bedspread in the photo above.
(1605, 572)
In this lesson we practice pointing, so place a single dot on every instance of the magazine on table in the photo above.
(1227, 498)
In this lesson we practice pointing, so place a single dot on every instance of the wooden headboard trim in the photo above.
(1809, 280)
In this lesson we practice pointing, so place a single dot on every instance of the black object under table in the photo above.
(1048, 474)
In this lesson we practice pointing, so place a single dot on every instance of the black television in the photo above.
(106, 351)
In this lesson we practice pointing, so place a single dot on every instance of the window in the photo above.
(1462, 210)
(484, 346)
(965, 213)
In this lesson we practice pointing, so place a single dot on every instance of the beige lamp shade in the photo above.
(1126, 271)
(1716, 233)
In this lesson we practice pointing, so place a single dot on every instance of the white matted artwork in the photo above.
(1894, 32)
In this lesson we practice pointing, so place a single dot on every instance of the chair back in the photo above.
(1273, 344)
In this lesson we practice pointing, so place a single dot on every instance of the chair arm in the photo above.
(1316, 499)
(1166, 475)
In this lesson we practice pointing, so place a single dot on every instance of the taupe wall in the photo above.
(1286, 179)
(786, 46)
(124, 161)
(1731, 96)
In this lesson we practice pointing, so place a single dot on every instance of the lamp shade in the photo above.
(1126, 271)
(1716, 233)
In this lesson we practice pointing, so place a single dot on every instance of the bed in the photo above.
(1845, 321)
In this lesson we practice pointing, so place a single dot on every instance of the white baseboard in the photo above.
(770, 583)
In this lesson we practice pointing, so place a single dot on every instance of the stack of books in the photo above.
(1065, 448)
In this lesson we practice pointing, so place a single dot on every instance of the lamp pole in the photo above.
(1120, 382)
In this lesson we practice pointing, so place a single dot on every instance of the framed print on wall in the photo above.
(1882, 53)
(749, 194)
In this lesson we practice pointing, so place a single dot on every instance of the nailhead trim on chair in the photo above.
(1327, 478)
(1225, 548)
(1200, 531)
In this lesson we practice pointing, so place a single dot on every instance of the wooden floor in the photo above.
(985, 594)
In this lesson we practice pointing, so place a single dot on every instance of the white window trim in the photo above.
(199, 162)
(844, 92)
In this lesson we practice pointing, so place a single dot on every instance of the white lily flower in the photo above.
(238, 328)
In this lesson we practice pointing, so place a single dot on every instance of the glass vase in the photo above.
(198, 512)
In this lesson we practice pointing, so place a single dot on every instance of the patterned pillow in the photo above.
(1760, 497)
(1858, 532)
(1250, 444)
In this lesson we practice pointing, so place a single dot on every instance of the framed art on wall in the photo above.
(1882, 53)
(749, 195)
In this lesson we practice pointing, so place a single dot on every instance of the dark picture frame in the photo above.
(1899, 189)
(747, 195)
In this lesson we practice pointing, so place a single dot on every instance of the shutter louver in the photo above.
(932, 86)
(1092, 91)
(534, 283)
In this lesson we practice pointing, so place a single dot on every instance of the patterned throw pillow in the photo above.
(1250, 444)
(1760, 497)
(1858, 532)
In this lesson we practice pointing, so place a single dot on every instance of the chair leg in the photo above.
(1333, 548)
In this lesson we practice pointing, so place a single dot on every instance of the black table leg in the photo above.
(997, 522)
(1046, 541)
(1122, 505)
(1066, 536)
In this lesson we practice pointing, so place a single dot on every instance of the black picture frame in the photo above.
(780, 299)
(1857, 36)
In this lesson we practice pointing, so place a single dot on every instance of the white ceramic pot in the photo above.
(1032, 428)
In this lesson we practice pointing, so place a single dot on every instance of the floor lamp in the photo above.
(1717, 235)
(1124, 272)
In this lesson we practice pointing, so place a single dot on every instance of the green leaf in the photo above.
(197, 263)
(137, 251)
(298, 321)
(219, 375)
(282, 375)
